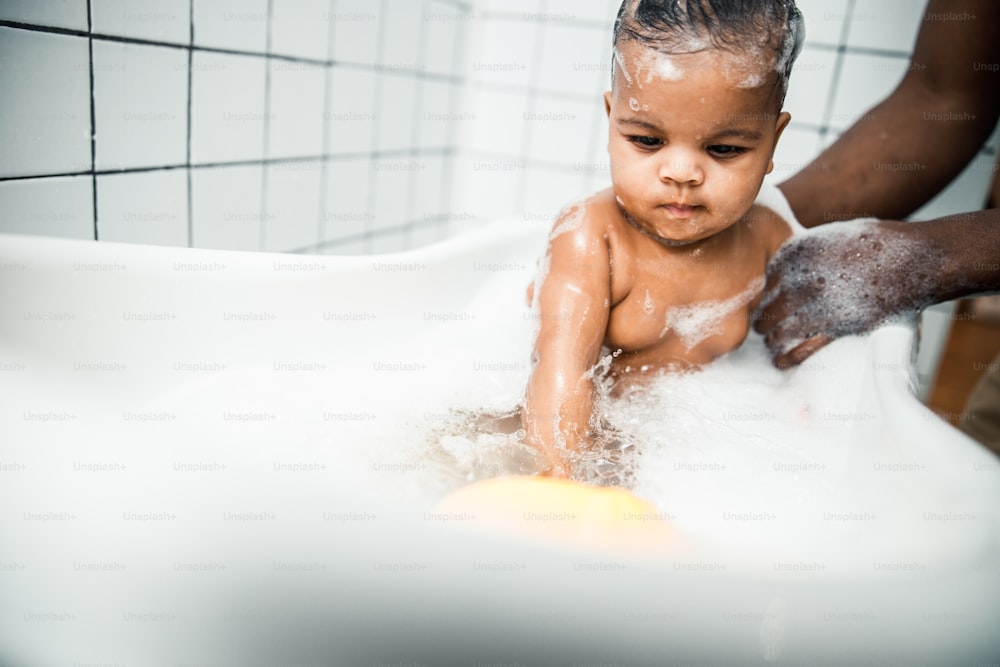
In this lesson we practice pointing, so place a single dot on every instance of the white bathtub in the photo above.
(203, 462)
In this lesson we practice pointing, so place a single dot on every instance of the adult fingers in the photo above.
(802, 351)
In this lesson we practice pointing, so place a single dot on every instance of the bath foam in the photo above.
(695, 322)
(620, 62)
(658, 65)
(571, 219)
(849, 295)
(741, 456)
(747, 69)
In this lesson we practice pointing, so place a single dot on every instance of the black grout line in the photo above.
(187, 161)
(838, 66)
(224, 51)
(267, 130)
(531, 104)
(456, 104)
(457, 4)
(585, 24)
(856, 50)
(376, 125)
(324, 174)
(93, 122)
(415, 132)
(442, 151)
(543, 18)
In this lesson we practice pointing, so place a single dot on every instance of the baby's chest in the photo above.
(692, 324)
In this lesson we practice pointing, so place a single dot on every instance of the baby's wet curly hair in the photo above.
(688, 26)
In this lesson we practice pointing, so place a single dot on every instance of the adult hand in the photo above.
(842, 279)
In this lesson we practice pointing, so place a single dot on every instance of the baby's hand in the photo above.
(558, 470)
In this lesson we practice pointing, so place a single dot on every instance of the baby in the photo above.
(665, 268)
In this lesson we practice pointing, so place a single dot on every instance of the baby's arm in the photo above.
(573, 305)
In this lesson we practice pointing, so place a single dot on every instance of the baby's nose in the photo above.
(680, 168)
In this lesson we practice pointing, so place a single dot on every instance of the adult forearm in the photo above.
(971, 246)
(891, 162)
(905, 150)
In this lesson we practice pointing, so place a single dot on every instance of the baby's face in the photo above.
(690, 139)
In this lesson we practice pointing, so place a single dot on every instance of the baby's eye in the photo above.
(724, 151)
(644, 141)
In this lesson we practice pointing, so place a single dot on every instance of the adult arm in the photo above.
(573, 306)
(850, 278)
(906, 149)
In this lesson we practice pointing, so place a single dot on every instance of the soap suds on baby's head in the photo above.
(748, 69)
(695, 322)
(659, 65)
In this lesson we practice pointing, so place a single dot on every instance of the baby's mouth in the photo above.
(678, 210)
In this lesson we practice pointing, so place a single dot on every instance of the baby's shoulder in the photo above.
(768, 227)
(587, 225)
(596, 217)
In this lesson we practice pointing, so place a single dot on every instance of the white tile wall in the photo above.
(602, 12)
(58, 13)
(158, 20)
(545, 197)
(506, 53)
(561, 131)
(444, 23)
(488, 187)
(143, 207)
(427, 191)
(273, 122)
(356, 31)
(396, 112)
(437, 116)
(347, 211)
(796, 149)
(402, 36)
(515, 7)
(48, 207)
(824, 20)
(300, 28)
(140, 104)
(574, 59)
(226, 207)
(351, 110)
(886, 24)
(813, 73)
(296, 115)
(499, 124)
(292, 213)
(45, 113)
(967, 192)
(231, 24)
(227, 107)
(392, 183)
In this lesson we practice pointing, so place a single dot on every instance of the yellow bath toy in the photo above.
(562, 511)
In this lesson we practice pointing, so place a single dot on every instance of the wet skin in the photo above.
(678, 228)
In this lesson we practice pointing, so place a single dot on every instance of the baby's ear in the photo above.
(780, 126)
(607, 103)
